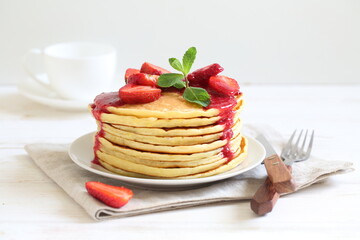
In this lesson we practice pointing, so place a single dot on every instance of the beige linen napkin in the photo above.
(53, 159)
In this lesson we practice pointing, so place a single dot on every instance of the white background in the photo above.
(255, 41)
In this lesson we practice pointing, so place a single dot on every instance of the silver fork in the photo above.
(267, 195)
(292, 152)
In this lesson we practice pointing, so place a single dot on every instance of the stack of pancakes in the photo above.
(167, 138)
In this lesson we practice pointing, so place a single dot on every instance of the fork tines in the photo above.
(293, 151)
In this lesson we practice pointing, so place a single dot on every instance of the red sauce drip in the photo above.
(100, 105)
(103, 101)
(226, 151)
(96, 161)
(97, 144)
(225, 105)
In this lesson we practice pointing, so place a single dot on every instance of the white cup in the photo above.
(76, 70)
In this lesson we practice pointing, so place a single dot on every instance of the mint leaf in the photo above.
(179, 84)
(191, 94)
(169, 79)
(188, 59)
(176, 64)
(197, 95)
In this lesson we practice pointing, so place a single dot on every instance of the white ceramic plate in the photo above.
(81, 152)
(37, 93)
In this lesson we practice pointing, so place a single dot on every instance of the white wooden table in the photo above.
(33, 207)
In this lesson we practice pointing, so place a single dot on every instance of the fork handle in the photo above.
(265, 197)
(279, 174)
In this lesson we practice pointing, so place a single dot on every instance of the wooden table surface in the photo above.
(34, 207)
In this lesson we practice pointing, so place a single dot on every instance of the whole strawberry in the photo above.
(112, 196)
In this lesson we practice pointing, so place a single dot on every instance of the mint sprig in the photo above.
(179, 80)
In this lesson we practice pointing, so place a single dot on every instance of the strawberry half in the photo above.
(152, 69)
(132, 93)
(143, 79)
(202, 75)
(112, 196)
(129, 72)
(224, 85)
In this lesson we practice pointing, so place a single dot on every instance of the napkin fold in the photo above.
(54, 160)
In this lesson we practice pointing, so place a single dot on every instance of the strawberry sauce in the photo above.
(100, 105)
(225, 104)
(97, 144)
(103, 101)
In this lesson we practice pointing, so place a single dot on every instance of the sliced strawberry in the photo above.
(143, 79)
(132, 93)
(152, 69)
(129, 72)
(112, 196)
(224, 85)
(202, 75)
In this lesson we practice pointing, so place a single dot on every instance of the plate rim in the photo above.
(163, 182)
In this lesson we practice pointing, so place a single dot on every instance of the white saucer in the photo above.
(34, 91)
(81, 152)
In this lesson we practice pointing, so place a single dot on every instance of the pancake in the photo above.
(169, 111)
(155, 171)
(167, 141)
(173, 132)
(172, 141)
(153, 160)
(165, 164)
(121, 171)
(226, 167)
(156, 122)
(158, 156)
(153, 122)
(169, 105)
(167, 149)
(173, 173)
